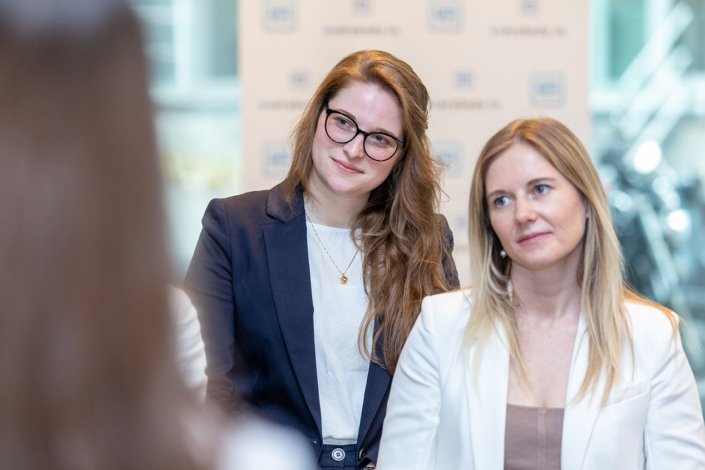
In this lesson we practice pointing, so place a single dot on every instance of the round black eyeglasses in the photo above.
(342, 129)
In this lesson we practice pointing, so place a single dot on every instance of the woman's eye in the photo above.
(541, 189)
(501, 201)
(380, 140)
(343, 123)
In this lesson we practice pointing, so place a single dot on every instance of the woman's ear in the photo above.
(398, 165)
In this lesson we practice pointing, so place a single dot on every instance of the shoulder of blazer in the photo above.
(649, 323)
(278, 208)
(264, 206)
(651, 331)
(448, 311)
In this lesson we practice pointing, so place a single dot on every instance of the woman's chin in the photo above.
(539, 264)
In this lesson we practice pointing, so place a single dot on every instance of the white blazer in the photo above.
(440, 417)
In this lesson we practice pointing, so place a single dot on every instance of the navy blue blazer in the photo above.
(250, 281)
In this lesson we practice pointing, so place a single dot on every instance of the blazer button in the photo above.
(362, 453)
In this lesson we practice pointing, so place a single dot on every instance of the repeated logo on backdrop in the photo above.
(484, 64)
(362, 7)
(446, 16)
(280, 16)
(460, 222)
(547, 89)
(298, 80)
(452, 154)
(464, 80)
(529, 7)
(275, 160)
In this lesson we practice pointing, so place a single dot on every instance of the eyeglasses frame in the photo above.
(329, 111)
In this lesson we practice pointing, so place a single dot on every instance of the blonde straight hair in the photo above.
(603, 290)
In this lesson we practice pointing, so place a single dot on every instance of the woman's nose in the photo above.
(525, 210)
(356, 147)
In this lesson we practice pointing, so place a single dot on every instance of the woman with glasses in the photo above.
(549, 361)
(307, 291)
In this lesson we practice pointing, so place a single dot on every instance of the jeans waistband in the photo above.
(332, 457)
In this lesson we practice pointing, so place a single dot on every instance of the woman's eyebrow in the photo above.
(385, 131)
(346, 113)
(541, 179)
(496, 192)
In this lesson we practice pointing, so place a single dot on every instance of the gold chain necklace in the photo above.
(343, 278)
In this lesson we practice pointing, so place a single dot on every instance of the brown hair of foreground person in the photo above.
(86, 362)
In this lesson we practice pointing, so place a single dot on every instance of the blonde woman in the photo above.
(548, 361)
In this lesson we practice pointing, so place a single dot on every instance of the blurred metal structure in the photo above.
(192, 48)
(659, 212)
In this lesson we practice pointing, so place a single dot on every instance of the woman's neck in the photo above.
(332, 212)
(549, 294)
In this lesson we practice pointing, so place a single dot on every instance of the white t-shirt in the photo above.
(338, 311)
(190, 351)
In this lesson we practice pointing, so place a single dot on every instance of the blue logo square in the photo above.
(275, 160)
(362, 7)
(451, 153)
(280, 16)
(547, 89)
(464, 79)
(446, 16)
(529, 7)
(298, 79)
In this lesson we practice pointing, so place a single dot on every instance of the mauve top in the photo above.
(532, 438)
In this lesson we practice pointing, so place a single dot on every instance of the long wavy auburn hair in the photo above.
(87, 365)
(603, 289)
(400, 233)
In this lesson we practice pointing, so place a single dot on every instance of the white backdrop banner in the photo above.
(484, 64)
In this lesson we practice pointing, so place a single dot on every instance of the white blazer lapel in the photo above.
(487, 403)
(579, 417)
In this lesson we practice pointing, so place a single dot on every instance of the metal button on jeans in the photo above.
(338, 454)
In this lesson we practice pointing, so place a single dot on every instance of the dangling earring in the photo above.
(503, 253)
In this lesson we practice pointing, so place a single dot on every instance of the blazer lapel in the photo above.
(487, 403)
(289, 273)
(378, 380)
(579, 417)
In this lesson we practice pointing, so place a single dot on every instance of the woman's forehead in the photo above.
(519, 164)
(372, 107)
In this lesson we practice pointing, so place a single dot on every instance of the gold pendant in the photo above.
(343, 279)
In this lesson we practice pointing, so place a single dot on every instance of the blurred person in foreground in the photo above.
(190, 350)
(88, 378)
(549, 361)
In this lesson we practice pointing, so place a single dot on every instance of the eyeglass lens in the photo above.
(342, 129)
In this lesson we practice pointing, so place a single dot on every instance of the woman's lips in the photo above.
(533, 237)
(346, 168)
